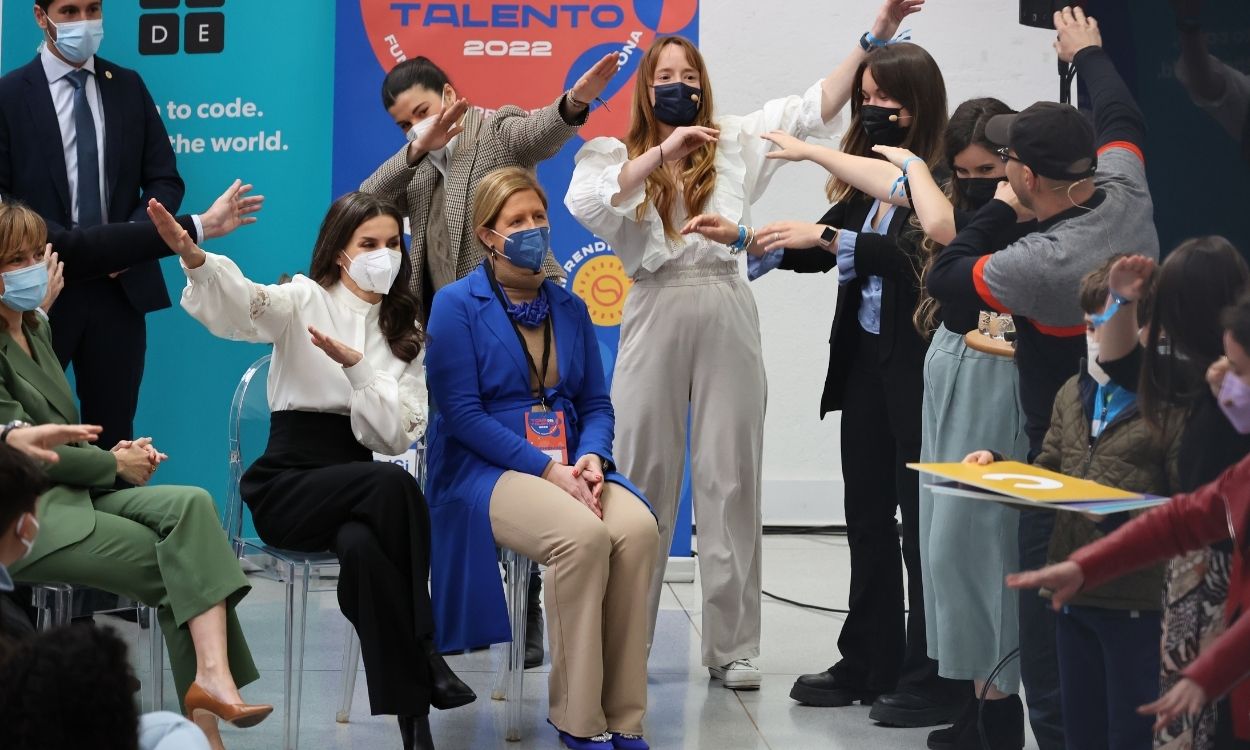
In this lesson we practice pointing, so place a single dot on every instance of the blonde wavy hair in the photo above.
(698, 173)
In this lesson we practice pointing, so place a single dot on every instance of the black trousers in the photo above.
(1039, 657)
(881, 649)
(95, 328)
(374, 517)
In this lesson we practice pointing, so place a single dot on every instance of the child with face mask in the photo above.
(1107, 639)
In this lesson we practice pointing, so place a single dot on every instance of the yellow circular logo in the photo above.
(601, 282)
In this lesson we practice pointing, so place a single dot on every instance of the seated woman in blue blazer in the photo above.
(520, 455)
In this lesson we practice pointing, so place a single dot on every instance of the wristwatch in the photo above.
(828, 236)
(864, 43)
(11, 426)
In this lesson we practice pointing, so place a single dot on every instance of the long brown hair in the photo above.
(965, 128)
(698, 172)
(398, 315)
(21, 229)
(1200, 278)
(909, 74)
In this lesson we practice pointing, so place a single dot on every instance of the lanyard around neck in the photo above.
(540, 375)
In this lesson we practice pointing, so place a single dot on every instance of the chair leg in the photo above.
(156, 660)
(508, 685)
(351, 661)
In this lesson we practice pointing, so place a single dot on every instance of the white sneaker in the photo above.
(740, 674)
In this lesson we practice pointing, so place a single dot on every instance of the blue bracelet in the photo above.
(871, 41)
(900, 185)
(742, 238)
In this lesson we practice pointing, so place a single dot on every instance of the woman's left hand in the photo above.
(789, 148)
(895, 155)
(794, 234)
(594, 81)
(891, 16)
(1186, 698)
(56, 278)
(589, 468)
(336, 350)
(713, 226)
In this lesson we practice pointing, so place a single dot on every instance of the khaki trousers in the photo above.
(595, 587)
(690, 343)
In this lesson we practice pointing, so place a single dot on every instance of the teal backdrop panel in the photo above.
(242, 95)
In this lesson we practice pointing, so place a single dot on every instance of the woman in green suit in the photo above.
(99, 526)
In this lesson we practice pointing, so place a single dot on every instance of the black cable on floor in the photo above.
(818, 608)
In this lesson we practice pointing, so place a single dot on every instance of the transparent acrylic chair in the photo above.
(302, 572)
(54, 605)
(508, 683)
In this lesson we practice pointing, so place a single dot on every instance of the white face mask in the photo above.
(28, 543)
(416, 131)
(1091, 361)
(375, 270)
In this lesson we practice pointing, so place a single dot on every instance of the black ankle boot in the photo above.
(534, 623)
(446, 689)
(1003, 721)
(944, 739)
(415, 732)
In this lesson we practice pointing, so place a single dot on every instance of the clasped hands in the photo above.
(137, 460)
(583, 481)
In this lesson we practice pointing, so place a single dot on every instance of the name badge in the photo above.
(545, 431)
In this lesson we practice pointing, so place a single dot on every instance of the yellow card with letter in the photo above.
(1022, 484)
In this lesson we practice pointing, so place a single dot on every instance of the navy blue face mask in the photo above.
(527, 248)
(676, 104)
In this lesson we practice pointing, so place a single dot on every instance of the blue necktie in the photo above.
(90, 213)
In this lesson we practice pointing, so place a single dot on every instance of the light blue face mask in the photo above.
(527, 248)
(77, 41)
(25, 288)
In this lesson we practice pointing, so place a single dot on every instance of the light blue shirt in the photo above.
(757, 266)
(870, 291)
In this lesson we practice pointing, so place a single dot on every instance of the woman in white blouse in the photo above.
(346, 380)
(690, 338)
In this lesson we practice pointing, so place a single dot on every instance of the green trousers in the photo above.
(162, 546)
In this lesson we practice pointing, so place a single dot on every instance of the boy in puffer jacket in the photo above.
(1107, 639)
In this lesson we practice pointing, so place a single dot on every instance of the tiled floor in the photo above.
(686, 709)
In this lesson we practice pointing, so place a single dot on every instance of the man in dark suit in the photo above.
(80, 182)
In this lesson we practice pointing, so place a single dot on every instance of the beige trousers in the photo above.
(690, 343)
(595, 587)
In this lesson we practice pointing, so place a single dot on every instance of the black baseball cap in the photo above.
(1054, 140)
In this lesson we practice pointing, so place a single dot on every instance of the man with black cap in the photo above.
(1086, 186)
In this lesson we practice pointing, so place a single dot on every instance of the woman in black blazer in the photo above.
(876, 361)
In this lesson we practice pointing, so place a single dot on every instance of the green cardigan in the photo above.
(36, 390)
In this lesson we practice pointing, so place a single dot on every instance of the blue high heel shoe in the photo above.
(629, 742)
(598, 742)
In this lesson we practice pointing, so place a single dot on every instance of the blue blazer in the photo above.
(480, 381)
(139, 163)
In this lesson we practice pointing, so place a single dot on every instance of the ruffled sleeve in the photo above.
(740, 137)
(232, 307)
(388, 414)
(592, 191)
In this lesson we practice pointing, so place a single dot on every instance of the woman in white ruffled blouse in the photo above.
(690, 338)
(346, 380)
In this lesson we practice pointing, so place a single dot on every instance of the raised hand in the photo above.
(56, 278)
(1063, 580)
(1130, 276)
(797, 234)
(38, 441)
(713, 226)
(231, 210)
(336, 350)
(891, 16)
(789, 148)
(1074, 32)
(685, 140)
(592, 83)
(175, 236)
(1219, 369)
(1186, 698)
(447, 126)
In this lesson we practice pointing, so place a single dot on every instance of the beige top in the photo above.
(534, 342)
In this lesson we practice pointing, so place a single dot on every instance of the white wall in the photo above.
(755, 50)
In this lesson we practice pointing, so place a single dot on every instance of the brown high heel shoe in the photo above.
(239, 715)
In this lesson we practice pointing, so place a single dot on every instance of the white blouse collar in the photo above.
(348, 299)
